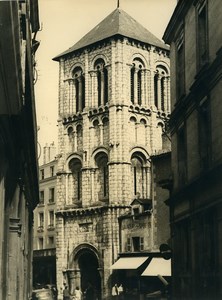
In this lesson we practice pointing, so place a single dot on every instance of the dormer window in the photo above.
(136, 211)
(140, 206)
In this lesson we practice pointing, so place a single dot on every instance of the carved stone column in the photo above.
(158, 92)
(14, 235)
(136, 87)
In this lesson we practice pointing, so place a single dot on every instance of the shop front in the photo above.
(143, 277)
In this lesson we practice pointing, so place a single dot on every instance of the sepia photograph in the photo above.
(110, 150)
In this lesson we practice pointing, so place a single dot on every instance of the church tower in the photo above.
(114, 102)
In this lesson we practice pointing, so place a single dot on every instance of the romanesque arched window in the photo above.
(75, 185)
(105, 123)
(132, 130)
(161, 88)
(102, 176)
(70, 133)
(79, 86)
(137, 81)
(137, 175)
(102, 82)
(79, 133)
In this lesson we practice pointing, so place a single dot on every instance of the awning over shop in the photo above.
(129, 263)
(158, 266)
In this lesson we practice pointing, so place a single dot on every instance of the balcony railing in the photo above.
(40, 228)
(51, 227)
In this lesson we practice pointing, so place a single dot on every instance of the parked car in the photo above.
(43, 294)
(53, 288)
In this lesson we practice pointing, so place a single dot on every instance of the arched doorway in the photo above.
(90, 279)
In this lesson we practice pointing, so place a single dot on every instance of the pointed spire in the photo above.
(117, 3)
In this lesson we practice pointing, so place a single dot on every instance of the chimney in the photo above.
(49, 153)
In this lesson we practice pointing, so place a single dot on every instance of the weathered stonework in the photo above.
(105, 144)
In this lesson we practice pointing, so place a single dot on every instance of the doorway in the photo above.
(89, 275)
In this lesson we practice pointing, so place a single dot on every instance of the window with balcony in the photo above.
(51, 242)
(51, 195)
(51, 222)
(41, 197)
(42, 175)
(52, 171)
(41, 222)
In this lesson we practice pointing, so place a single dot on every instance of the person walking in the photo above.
(120, 291)
(115, 292)
(77, 294)
(66, 295)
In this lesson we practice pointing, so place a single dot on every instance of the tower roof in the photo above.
(116, 23)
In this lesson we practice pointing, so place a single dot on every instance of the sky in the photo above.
(65, 22)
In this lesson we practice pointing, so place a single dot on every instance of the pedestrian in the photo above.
(89, 292)
(66, 295)
(77, 294)
(120, 291)
(115, 292)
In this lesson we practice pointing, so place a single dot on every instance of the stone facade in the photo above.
(195, 36)
(18, 146)
(44, 233)
(114, 101)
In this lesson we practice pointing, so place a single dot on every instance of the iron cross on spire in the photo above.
(117, 3)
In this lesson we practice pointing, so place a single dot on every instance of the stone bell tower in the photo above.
(113, 105)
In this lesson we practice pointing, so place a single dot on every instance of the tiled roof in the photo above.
(116, 23)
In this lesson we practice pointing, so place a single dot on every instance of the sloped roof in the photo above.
(141, 201)
(116, 23)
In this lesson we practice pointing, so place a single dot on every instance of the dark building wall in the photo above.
(18, 164)
(195, 202)
(161, 177)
